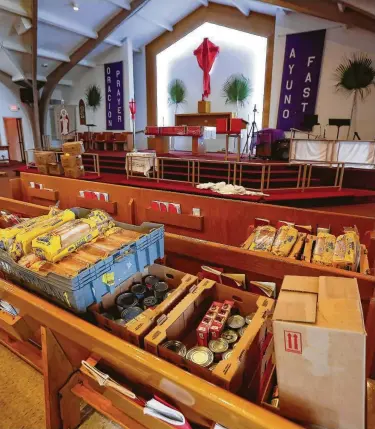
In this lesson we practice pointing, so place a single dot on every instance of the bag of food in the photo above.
(307, 253)
(296, 251)
(69, 237)
(285, 239)
(347, 251)
(324, 248)
(263, 238)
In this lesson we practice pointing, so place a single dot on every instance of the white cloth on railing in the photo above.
(227, 189)
(141, 162)
(355, 153)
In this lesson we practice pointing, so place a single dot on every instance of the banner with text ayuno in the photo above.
(300, 81)
(114, 95)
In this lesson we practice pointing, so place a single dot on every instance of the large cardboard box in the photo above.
(55, 169)
(73, 148)
(320, 348)
(75, 172)
(42, 169)
(71, 161)
(44, 158)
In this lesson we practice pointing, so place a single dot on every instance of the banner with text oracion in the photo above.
(114, 95)
(300, 81)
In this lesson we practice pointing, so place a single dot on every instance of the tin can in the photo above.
(230, 336)
(150, 281)
(126, 300)
(236, 322)
(275, 402)
(121, 322)
(202, 356)
(242, 330)
(149, 302)
(227, 354)
(175, 346)
(249, 318)
(130, 313)
(139, 290)
(275, 393)
(108, 316)
(160, 289)
(218, 347)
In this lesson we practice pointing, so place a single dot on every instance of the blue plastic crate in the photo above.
(91, 284)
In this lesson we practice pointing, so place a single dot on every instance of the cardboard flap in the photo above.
(301, 284)
(296, 307)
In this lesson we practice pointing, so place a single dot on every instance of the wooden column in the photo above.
(37, 134)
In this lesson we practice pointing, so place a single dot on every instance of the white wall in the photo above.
(96, 76)
(239, 53)
(140, 88)
(339, 42)
(10, 96)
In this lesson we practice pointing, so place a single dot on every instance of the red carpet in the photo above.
(279, 196)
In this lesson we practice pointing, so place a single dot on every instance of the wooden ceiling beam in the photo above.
(327, 9)
(54, 78)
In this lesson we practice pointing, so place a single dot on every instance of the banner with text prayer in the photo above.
(114, 95)
(300, 81)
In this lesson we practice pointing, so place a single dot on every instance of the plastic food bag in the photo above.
(347, 251)
(324, 248)
(263, 238)
(285, 239)
(296, 251)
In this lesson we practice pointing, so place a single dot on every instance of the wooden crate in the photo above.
(135, 330)
(180, 324)
(15, 326)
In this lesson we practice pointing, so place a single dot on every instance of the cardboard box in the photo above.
(42, 169)
(320, 347)
(204, 106)
(135, 330)
(55, 169)
(44, 158)
(243, 368)
(73, 148)
(71, 161)
(75, 172)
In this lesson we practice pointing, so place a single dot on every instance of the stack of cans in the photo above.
(141, 296)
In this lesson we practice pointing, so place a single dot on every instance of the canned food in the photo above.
(160, 289)
(230, 335)
(175, 346)
(218, 347)
(130, 313)
(126, 300)
(139, 290)
(149, 302)
(121, 322)
(150, 281)
(275, 402)
(108, 316)
(201, 356)
(275, 393)
(236, 322)
(242, 330)
(249, 318)
(227, 354)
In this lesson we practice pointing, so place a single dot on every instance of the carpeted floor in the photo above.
(22, 398)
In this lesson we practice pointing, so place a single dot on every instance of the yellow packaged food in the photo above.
(68, 238)
(296, 251)
(309, 248)
(347, 251)
(263, 238)
(324, 249)
(285, 239)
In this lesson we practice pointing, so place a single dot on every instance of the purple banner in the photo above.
(300, 82)
(114, 95)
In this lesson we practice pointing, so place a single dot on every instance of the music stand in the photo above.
(309, 121)
(339, 123)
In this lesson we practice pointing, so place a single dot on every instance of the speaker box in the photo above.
(280, 150)
(26, 95)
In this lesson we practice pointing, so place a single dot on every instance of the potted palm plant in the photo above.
(236, 90)
(176, 93)
(94, 97)
(355, 75)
